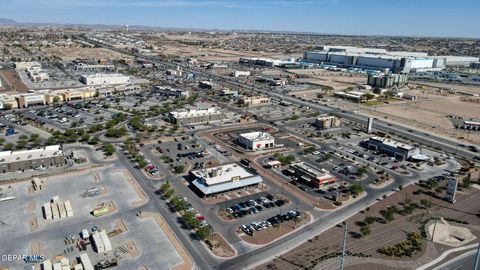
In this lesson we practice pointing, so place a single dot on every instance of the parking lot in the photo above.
(77, 114)
(253, 205)
(272, 221)
(261, 232)
(276, 112)
(185, 151)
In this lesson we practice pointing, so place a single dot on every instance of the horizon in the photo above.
(365, 18)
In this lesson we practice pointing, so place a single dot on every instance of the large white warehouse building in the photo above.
(105, 79)
(377, 59)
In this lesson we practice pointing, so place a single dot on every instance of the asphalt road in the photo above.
(465, 261)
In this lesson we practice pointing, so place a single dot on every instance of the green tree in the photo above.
(426, 203)
(141, 161)
(365, 230)
(21, 144)
(389, 216)
(169, 193)
(2, 140)
(309, 150)
(179, 203)
(85, 137)
(356, 189)
(179, 169)
(116, 132)
(327, 157)
(369, 96)
(35, 142)
(361, 171)
(109, 149)
(34, 136)
(369, 220)
(466, 182)
(8, 146)
(190, 220)
(94, 140)
(164, 187)
(203, 232)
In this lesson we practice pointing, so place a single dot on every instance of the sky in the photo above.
(445, 18)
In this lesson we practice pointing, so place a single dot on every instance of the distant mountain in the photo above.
(7, 21)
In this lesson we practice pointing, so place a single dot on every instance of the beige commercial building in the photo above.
(198, 116)
(254, 101)
(327, 121)
(19, 161)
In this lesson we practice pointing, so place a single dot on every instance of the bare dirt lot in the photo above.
(220, 246)
(205, 54)
(331, 76)
(453, 105)
(321, 251)
(325, 82)
(13, 81)
(69, 54)
(431, 115)
(455, 86)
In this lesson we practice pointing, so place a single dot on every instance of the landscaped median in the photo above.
(194, 221)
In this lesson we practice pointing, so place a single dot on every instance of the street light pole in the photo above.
(434, 227)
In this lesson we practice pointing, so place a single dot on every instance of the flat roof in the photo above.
(103, 75)
(392, 143)
(472, 123)
(256, 136)
(227, 185)
(222, 174)
(47, 151)
(192, 113)
(319, 174)
(254, 97)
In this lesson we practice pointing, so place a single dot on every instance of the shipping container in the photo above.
(68, 208)
(55, 212)
(97, 242)
(87, 264)
(85, 234)
(47, 264)
(106, 242)
(61, 209)
(100, 211)
(47, 211)
(65, 262)
(57, 266)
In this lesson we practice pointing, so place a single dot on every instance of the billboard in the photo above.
(451, 190)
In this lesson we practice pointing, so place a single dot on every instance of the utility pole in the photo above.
(475, 265)
(342, 259)
(434, 227)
